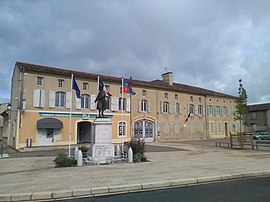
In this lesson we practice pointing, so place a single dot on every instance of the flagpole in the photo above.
(122, 106)
(69, 137)
(130, 119)
(97, 91)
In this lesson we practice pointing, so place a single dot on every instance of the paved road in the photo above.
(247, 190)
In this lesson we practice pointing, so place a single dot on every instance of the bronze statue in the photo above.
(101, 102)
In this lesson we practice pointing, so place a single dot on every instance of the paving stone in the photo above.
(179, 182)
(5, 197)
(208, 179)
(81, 192)
(100, 190)
(42, 195)
(62, 194)
(21, 197)
(124, 188)
(152, 185)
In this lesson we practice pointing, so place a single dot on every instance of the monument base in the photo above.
(102, 149)
(102, 153)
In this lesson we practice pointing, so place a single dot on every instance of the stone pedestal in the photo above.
(102, 149)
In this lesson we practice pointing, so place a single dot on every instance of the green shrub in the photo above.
(63, 161)
(83, 148)
(138, 148)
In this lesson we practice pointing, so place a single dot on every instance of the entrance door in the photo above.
(226, 129)
(84, 132)
(144, 129)
(46, 137)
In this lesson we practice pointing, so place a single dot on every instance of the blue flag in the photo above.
(76, 88)
(127, 88)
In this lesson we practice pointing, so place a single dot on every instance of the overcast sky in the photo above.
(205, 43)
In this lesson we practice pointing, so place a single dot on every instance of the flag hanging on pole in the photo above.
(102, 86)
(127, 88)
(76, 88)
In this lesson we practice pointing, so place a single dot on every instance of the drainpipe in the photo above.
(206, 117)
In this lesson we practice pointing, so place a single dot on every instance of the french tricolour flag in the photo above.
(101, 85)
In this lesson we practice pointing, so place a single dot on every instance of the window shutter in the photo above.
(68, 100)
(203, 111)
(52, 99)
(93, 104)
(36, 97)
(170, 108)
(114, 103)
(196, 110)
(128, 105)
(214, 110)
(42, 98)
(139, 105)
(180, 109)
(161, 107)
(149, 106)
(78, 103)
(187, 109)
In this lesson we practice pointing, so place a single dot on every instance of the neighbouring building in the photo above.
(258, 117)
(161, 109)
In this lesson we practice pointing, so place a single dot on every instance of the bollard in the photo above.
(1, 150)
(79, 158)
(76, 153)
(118, 150)
(130, 155)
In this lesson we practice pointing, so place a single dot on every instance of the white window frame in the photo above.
(61, 83)
(85, 101)
(144, 105)
(40, 81)
(166, 107)
(61, 98)
(85, 86)
(211, 127)
(123, 128)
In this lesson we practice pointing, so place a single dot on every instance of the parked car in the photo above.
(262, 135)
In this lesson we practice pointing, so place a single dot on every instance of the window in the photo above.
(253, 115)
(144, 105)
(218, 110)
(219, 127)
(176, 96)
(120, 104)
(85, 86)
(210, 110)
(144, 93)
(200, 110)
(177, 108)
(200, 99)
(166, 95)
(85, 101)
(39, 81)
(60, 99)
(165, 107)
(49, 133)
(60, 83)
(108, 101)
(122, 128)
(225, 111)
(191, 109)
(212, 127)
(191, 99)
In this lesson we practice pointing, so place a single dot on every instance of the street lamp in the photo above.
(9, 112)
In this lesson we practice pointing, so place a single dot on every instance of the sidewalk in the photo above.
(36, 178)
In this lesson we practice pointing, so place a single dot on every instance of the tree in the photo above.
(241, 109)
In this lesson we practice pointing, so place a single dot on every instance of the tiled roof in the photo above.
(157, 84)
(259, 107)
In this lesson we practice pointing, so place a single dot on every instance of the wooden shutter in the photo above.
(42, 98)
(139, 105)
(148, 106)
(161, 107)
(128, 104)
(78, 103)
(196, 110)
(36, 98)
(68, 100)
(114, 103)
(93, 104)
(180, 108)
(52, 99)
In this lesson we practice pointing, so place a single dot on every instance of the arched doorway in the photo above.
(144, 129)
(84, 129)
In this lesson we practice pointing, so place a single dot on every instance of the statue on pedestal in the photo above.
(101, 102)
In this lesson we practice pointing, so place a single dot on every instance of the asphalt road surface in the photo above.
(244, 190)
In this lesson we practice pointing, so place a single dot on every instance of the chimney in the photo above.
(168, 78)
